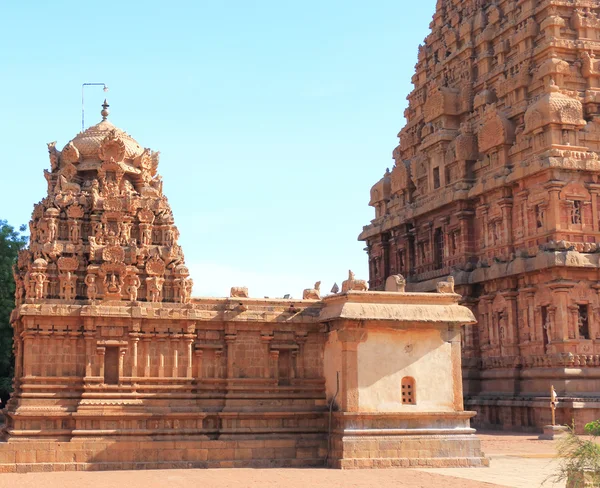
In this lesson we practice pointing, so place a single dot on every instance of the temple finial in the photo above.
(105, 110)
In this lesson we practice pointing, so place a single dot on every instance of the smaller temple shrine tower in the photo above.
(118, 367)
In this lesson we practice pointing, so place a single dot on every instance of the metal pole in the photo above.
(82, 100)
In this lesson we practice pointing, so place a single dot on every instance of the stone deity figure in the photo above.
(114, 284)
(74, 231)
(154, 286)
(132, 287)
(68, 284)
(188, 284)
(19, 288)
(183, 288)
(39, 282)
(92, 287)
(146, 235)
(52, 230)
(125, 232)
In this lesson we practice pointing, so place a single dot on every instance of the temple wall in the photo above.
(388, 356)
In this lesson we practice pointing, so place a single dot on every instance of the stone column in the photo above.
(350, 339)
(274, 364)
(560, 292)
(199, 353)
(484, 213)
(161, 357)
(267, 338)
(189, 349)
(573, 321)
(511, 300)
(175, 350)
(100, 352)
(506, 205)
(301, 340)
(465, 244)
(134, 356)
(457, 388)
(23, 350)
(529, 300)
(122, 352)
(594, 189)
(146, 341)
(522, 196)
(554, 187)
(230, 340)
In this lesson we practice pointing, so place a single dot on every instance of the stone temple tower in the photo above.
(496, 182)
(105, 231)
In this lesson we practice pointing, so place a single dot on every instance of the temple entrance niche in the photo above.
(111, 365)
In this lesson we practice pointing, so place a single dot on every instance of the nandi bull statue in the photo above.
(446, 286)
(353, 284)
(312, 293)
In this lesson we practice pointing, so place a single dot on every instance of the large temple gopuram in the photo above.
(496, 183)
(119, 367)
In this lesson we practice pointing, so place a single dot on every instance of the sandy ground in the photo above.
(517, 460)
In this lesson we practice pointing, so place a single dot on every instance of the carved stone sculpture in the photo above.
(395, 283)
(312, 293)
(239, 292)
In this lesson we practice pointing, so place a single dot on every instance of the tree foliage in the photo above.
(11, 242)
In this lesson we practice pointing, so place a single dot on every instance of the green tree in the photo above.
(11, 242)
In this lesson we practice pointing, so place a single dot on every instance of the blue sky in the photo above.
(273, 119)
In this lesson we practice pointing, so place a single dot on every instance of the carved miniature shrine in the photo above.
(495, 182)
(117, 367)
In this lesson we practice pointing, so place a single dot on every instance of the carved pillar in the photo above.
(134, 356)
(100, 351)
(267, 338)
(484, 214)
(230, 339)
(89, 351)
(513, 316)
(23, 355)
(122, 352)
(573, 321)
(199, 353)
(175, 351)
(554, 187)
(594, 189)
(465, 245)
(301, 340)
(350, 339)
(531, 331)
(189, 349)
(506, 205)
(274, 364)
(161, 357)
(560, 292)
(522, 196)
(60, 347)
(457, 388)
(146, 341)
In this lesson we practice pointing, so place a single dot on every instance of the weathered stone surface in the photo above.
(495, 182)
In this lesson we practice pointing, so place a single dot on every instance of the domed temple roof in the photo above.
(89, 141)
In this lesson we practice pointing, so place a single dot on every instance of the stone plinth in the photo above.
(552, 432)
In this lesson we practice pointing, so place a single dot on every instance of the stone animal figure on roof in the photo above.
(395, 283)
(446, 286)
(312, 293)
(239, 292)
(353, 284)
